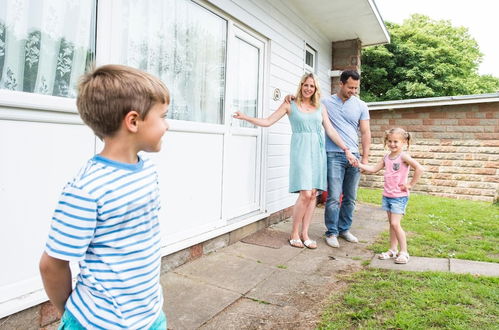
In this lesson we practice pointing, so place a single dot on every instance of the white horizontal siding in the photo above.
(31, 179)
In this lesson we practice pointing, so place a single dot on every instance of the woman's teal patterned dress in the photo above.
(307, 169)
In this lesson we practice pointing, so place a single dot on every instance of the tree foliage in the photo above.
(426, 58)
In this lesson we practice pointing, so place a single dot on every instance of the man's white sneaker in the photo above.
(349, 237)
(332, 241)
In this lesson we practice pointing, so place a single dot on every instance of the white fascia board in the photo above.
(434, 102)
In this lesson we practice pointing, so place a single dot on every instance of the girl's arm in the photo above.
(372, 168)
(56, 277)
(333, 135)
(418, 171)
(264, 122)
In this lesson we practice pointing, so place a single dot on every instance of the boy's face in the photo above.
(152, 128)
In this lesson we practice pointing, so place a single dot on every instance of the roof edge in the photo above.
(382, 25)
(434, 101)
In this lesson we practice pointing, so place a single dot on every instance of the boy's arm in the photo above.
(372, 168)
(56, 277)
(418, 171)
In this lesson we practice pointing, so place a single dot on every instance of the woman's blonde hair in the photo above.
(316, 97)
(397, 130)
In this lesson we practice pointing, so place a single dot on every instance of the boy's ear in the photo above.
(131, 121)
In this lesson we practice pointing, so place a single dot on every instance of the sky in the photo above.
(481, 17)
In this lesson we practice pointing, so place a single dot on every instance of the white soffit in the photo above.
(344, 19)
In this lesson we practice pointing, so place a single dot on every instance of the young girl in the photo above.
(396, 188)
(307, 170)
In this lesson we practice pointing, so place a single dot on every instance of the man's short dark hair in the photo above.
(349, 74)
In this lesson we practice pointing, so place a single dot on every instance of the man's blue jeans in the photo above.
(342, 178)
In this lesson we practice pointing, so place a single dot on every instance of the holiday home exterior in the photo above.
(216, 174)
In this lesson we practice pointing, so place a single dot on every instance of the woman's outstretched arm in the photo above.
(265, 122)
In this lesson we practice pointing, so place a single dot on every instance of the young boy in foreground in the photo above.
(107, 215)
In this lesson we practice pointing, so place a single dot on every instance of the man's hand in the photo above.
(351, 158)
(289, 98)
(363, 160)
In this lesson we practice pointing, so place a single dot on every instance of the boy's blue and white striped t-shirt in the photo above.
(107, 220)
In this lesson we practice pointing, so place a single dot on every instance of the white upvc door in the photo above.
(242, 168)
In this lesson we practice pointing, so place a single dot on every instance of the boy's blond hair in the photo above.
(316, 97)
(108, 93)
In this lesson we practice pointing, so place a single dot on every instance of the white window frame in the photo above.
(310, 68)
(55, 109)
(45, 108)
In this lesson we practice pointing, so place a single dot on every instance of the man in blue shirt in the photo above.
(348, 114)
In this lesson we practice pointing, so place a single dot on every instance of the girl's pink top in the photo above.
(396, 172)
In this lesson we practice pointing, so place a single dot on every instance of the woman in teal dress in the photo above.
(307, 171)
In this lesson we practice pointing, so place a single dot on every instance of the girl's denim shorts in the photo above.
(395, 205)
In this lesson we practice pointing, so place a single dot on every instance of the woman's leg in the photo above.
(398, 231)
(309, 212)
(299, 210)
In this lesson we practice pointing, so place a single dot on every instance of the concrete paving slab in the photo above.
(415, 264)
(227, 271)
(320, 264)
(284, 226)
(269, 256)
(287, 288)
(191, 302)
(474, 267)
(250, 314)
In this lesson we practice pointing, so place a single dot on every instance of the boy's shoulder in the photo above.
(99, 171)
(84, 173)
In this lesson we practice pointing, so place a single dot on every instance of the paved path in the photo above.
(421, 264)
(253, 286)
(268, 284)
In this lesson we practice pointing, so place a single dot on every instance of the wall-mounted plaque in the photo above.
(277, 94)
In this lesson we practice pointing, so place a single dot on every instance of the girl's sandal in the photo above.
(388, 254)
(403, 258)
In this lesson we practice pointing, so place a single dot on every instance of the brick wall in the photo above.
(458, 145)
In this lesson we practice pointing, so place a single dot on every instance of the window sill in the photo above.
(31, 101)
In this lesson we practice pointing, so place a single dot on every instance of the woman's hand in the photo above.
(239, 115)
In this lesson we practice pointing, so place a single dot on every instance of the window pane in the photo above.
(246, 79)
(45, 45)
(309, 59)
(184, 44)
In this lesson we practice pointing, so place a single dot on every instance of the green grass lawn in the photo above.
(445, 227)
(436, 227)
(380, 299)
